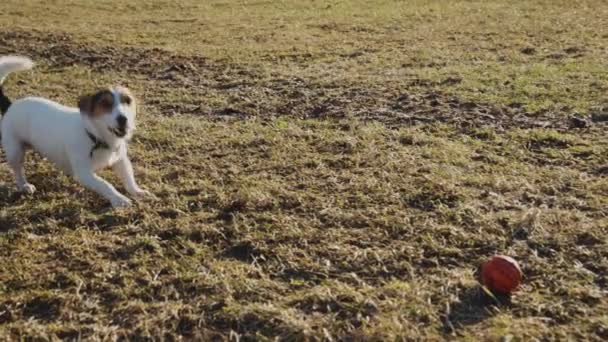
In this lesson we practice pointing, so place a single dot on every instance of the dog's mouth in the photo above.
(120, 132)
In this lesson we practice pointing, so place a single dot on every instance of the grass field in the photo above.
(326, 170)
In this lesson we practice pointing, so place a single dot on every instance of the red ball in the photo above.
(501, 274)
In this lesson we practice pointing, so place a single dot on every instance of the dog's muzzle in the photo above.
(122, 128)
(120, 132)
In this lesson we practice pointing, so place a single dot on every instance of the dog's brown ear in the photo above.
(97, 104)
(85, 104)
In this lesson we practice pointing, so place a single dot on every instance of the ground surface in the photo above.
(326, 170)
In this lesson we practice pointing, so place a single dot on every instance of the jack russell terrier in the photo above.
(79, 141)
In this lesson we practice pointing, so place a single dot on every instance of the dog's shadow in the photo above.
(474, 305)
(105, 217)
(7, 198)
(8, 195)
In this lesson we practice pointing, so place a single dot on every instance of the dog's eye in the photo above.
(106, 103)
(126, 100)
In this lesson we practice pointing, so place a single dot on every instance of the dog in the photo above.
(77, 140)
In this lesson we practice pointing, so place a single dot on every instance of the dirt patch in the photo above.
(249, 93)
(42, 308)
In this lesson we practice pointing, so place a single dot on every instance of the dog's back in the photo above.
(45, 125)
(38, 122)
(36, 114)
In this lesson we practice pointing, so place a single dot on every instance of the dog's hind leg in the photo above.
(15, 156)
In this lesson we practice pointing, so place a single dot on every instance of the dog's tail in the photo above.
(8, 65)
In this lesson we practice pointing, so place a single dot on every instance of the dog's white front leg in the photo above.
(102, 187)
(83, 173)
(124, 170)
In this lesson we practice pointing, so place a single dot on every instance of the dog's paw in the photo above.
(120, 202)
(27, 188)
(141, 194)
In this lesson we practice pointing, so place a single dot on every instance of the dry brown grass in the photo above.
(309, 189)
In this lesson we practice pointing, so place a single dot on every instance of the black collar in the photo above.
(5, 102)
(97, 144)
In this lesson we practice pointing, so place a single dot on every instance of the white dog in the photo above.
(79, 141)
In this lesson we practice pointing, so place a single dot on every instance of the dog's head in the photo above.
(111, 111)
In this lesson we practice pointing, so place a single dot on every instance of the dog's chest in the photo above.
(103, 158)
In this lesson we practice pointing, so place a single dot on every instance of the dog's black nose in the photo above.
(122, 121)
